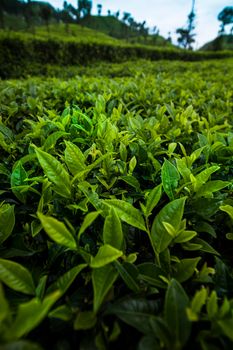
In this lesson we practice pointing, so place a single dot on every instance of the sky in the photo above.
(167, 15)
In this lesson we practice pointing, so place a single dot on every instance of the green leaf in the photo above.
(4, 307)
(128, 273)
(55, 172)
(7, 221)
(21, 345)
(57, 231)
(227, 326)
(127, 213)
(151, 273)
(183, 168)
(62, 312)
(88, 220)
(185, 269)
(176, 303)
(132, 164)
(106, 254)
(74, 158)
(138, 313)
(203, 177)
(212, 305)
(52, 139)
(132, 181)
(112, 233)
(185, 236)
(85, 320)
(18, 176)
(205, 247)
(102, 280)
(228, 209)
(148, 343)
(211, 187)
(30, 314)
(197, 303)
(153, 199)
(170, 178)
(16, 277)
(64, 282)
(171, 213)
(40, 289)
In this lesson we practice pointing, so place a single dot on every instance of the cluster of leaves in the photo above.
(116, 210)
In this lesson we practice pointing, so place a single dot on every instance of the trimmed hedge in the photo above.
(18, 56)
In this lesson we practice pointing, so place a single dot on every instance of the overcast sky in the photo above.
(167, 15)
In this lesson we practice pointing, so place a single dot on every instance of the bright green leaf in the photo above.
(16, 277)
(171, 213)
(112, 232)
(106, 254)
(57, 231)
(55, 172)
(127, 213)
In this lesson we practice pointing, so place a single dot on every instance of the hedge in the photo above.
(19, 56)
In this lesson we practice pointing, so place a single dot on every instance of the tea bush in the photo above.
(24, 53)
(116, 209)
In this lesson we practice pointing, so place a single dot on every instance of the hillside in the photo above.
(63, 32)
(223, 42)
(113, 27)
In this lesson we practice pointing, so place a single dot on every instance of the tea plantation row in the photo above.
(23, 53)
(116, 208)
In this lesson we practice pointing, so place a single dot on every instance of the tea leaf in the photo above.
(18, 176)
(85, 320)
(88, 220)
(16, 277)
(112, 233)
(52, 139)
(176, 302)
(105, 255)
(153, 199)
(57, 231)
(171, 213)
(30, 314)
(127, 213)
(64, 282)
(74, 158)
(55, 172)
(185, 269)
(170, 178)
(228, 209)
(7, 221)
(128, 273)
(102, 279)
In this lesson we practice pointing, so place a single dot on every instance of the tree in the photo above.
(109, 13)
(29, 15)
(2, 8)
(169, 38)
(46, 14)
(66, 14)
(226, 17)
(84, 8)
(126, 16)
(186, 35)
(99, 9)
(117, 14)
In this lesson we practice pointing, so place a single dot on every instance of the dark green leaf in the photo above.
(103, 279)
(170, 178)
(176, 303)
